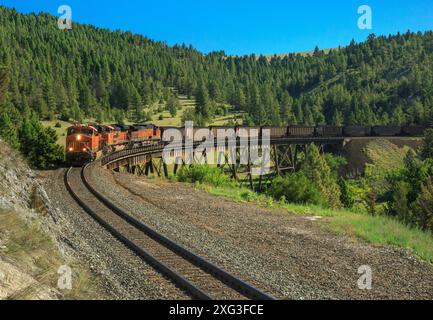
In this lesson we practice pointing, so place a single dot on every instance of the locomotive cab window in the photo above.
(86, 132)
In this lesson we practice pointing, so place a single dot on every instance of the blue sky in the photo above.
(244, 26)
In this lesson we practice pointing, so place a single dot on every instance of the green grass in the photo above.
(224, 120)
(168, 120)
(61, 132)
(379, 230)
(186, 104)
(385, 231)
(175, 121)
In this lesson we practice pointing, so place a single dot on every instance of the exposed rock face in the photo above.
(21, 194)
(22, 191)
(17, 180)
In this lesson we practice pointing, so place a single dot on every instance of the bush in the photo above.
(58, 125)
(319, 173)
(64, 117)
(347, 198)
(8, 131)
(39, 145)
(399, 206)
(203, 174)
(296, 188)
(424, 206)
(249, 195)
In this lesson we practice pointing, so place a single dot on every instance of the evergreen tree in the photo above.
(4, 84)
(427, 146)
(424, 204)
(400, 205)
(202, 103)
(173, 105)
(135, 106)
(8, 131)
(240, 100)
(317, 170)
(40, 145)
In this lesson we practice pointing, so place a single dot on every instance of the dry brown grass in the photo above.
(28, 249)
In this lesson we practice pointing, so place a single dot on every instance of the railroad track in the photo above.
(198, 277)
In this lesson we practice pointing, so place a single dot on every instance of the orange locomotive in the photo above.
(84, 142)
(139, 132)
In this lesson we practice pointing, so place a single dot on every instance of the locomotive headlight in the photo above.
(84, 149)
(71, 149)
(79, 137)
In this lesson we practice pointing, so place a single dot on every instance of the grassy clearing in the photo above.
(384, 230)
(61, 132)
(229, 118)
(31, 251)
(380, 230)
(168, 120)
(186, 104)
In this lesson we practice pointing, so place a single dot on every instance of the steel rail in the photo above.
(178, 279)
(232, 281)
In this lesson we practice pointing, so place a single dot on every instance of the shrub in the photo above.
(347, 198)
(58, 125)
(424, 206)
(203, 174)
(296, 188)
(318, 171)
(426, 151)
(8, 131)
(39, 145)
(399, 205)
(249, 195)
(64, 116)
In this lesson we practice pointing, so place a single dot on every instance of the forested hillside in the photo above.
(94, 73)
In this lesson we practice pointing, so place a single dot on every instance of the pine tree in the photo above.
(173, 105)
(8, 130)
(4, 83)
(427, 146)
(202, 103)
(135, 106)
(317, 170)
(400, 204)
(240, 100)
(39, 144)
(424, 215)
(214, 91)
(286, 112)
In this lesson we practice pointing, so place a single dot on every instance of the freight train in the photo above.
(84, 142)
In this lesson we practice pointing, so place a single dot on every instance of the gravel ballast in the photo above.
(123, 274)
(287, 255)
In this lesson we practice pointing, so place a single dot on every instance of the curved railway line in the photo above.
(198, 277)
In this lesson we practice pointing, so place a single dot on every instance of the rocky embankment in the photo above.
(32, 250)
(22, 197)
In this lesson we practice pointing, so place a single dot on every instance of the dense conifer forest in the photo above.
(89, 72)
